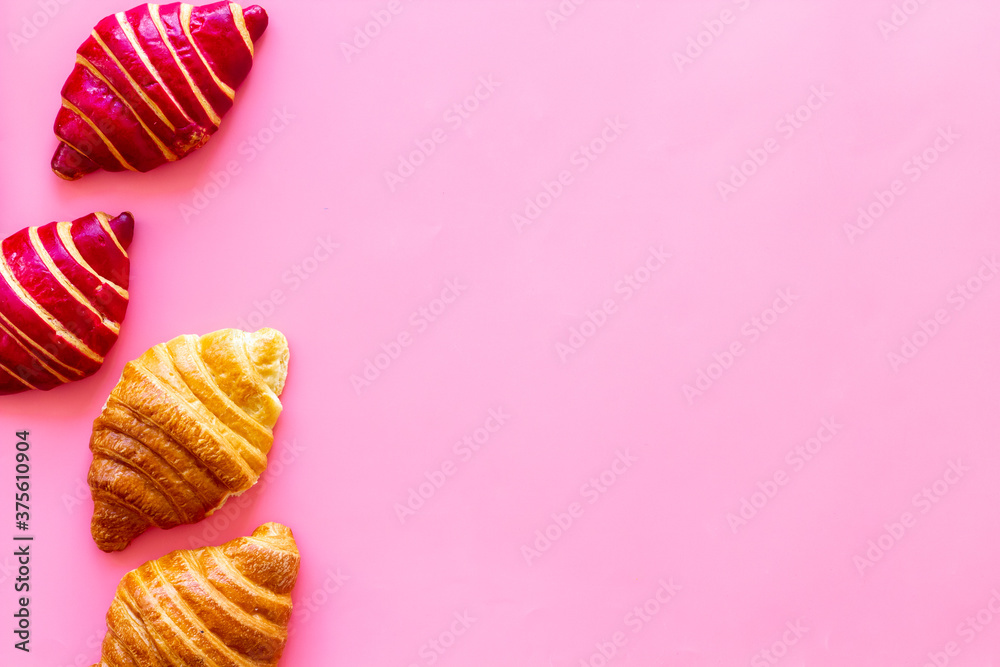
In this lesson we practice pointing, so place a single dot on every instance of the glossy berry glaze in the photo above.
(152, 84)
(63, 296)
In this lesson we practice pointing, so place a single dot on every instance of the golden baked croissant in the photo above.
(188, 425)
(151, 85)
(63, 295)
(227, 606)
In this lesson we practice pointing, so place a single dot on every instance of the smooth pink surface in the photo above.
(214, 250)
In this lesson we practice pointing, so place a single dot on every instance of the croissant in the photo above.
(227, 606)
(63, 295)
(152, 84)
(188, 425)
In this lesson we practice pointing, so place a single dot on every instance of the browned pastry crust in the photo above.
(227, 606)
(188, 425)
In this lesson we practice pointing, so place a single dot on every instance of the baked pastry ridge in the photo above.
(188, 424)
(227, 605)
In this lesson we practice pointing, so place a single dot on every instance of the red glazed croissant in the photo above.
(63, 295)
(227, 606)
(151, 84)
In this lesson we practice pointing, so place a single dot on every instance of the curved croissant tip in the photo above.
(269, 352)
(273, 529)
(278, 536)
(123, 226)
(256, 20)
(113, 526)
(69, 164)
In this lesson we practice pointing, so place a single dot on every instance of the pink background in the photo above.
(374, 590)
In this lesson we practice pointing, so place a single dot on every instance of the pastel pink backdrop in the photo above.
(330, 122)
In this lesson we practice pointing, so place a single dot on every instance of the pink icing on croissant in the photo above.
(152, 84)
(63, 296)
